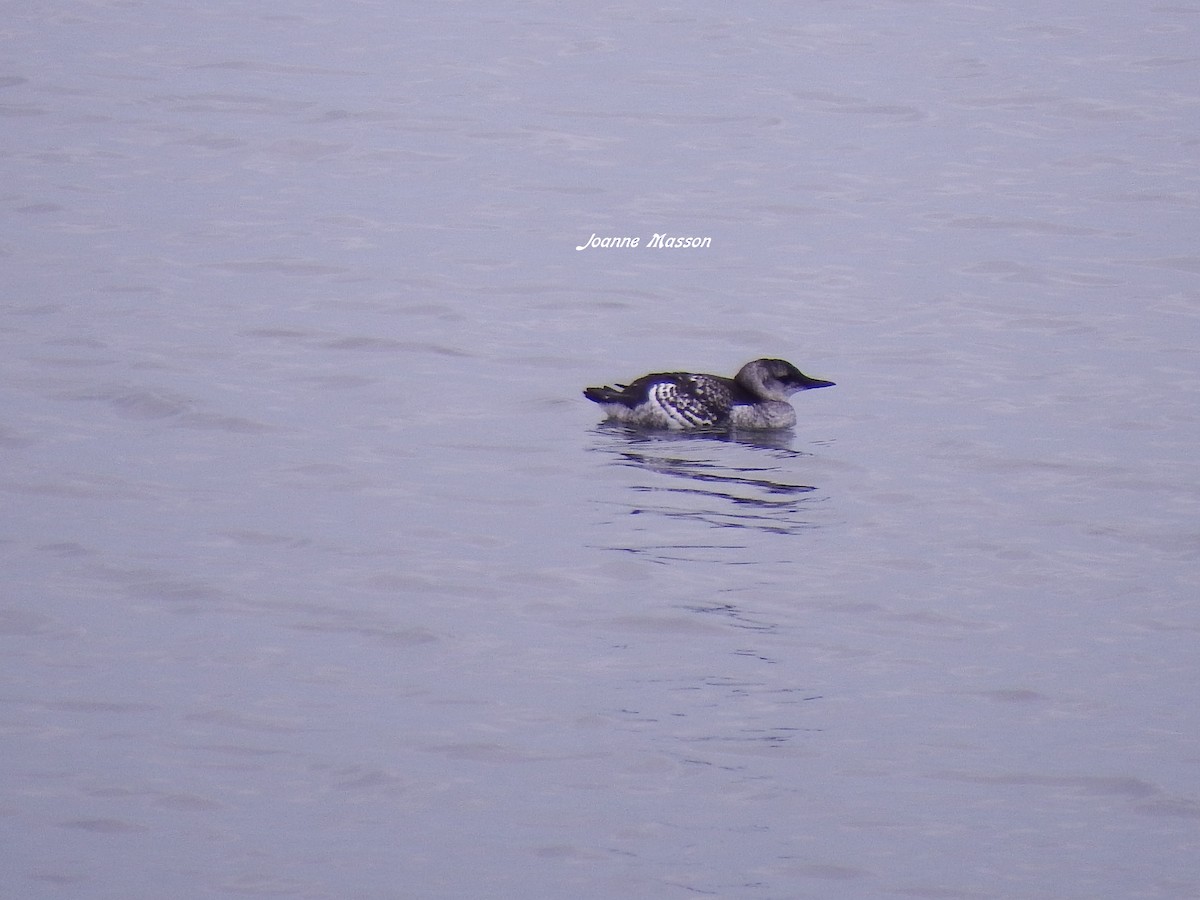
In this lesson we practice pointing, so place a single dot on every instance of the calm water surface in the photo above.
(321, 579)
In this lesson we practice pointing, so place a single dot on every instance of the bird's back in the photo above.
(671, 400)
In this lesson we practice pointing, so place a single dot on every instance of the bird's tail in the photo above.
(605, 394)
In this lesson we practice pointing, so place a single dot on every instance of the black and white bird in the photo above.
(757, 397)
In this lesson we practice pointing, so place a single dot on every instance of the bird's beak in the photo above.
(804, 383)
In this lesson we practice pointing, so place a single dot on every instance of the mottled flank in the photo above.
(757, 397)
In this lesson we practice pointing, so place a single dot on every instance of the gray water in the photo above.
(321, 579)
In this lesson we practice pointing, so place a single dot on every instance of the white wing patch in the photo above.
(681, 409)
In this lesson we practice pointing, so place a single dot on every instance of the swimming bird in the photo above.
(757, 397)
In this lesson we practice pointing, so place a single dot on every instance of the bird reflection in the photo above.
(725, 480)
